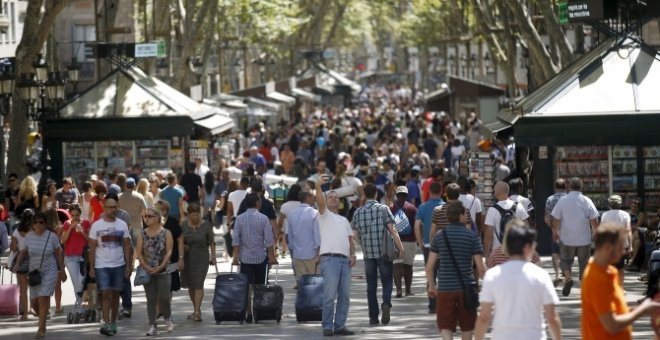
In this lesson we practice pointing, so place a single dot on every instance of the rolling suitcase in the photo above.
(230, 296)
(267, 300)
(9, 294)
(309, 299)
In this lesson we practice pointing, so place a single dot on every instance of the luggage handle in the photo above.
(277, 273)
(2, 273)
(231, 268)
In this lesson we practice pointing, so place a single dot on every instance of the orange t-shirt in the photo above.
(602, 293)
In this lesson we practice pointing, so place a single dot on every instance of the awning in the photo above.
(264, 104)
(216, 123)
(259, 112)
(490, 129)
(302, 94)
(281, 97)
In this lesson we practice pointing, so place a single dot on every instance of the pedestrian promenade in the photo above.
(410, 319)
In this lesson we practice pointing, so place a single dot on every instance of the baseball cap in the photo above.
(130, 182)
(94, 178)
(615, 199)
(416, 168)
(402, 190)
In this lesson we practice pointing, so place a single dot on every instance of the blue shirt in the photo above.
(172, 195)
(425, 214)
(303, 232)
(414, 192)
(254, 235)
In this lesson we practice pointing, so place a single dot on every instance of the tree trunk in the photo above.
(106, 16)
(538, 53)
(162, 27)
(341, 9)
(483, 25)
(36, 28)
(183, 75)
(206, 49)
(510, 64)
(555, 31)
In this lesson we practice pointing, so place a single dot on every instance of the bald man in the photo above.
(492, 231)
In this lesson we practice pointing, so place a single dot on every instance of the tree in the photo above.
(36, 29)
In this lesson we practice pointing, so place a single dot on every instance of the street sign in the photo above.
(563, 12)
(145, 50)
(162, 50)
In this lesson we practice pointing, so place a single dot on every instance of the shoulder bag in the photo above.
(388, 250)
(471, 290)
(34, 276)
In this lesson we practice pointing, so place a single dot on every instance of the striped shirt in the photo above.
(36, 246)
(440, 217)
(464, 245)
(371, 222)
(253, 234)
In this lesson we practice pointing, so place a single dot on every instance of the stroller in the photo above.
(93, 309)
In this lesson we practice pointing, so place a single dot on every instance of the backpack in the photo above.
(505, 217)
(401, 223)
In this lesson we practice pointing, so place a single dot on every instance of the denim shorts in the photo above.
(110, 278)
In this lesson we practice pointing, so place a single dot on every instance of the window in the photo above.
(81, 35)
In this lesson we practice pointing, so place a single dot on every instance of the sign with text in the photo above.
(590, 10)
(146, 50)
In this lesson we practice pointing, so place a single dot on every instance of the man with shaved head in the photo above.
(493, 235)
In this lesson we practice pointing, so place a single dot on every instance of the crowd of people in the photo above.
(383, 174)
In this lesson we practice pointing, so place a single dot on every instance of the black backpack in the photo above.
(505, 217)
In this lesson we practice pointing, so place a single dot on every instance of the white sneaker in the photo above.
(152, 330)
(169, 326)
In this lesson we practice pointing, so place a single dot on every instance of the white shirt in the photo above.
(334, 230)
(234, 173)
(109, 237)
(472, 203)
(201, 171)
(285, 210)
(493, 218)
(618, 217)
(526, 202)
(236, 197)
(575, 212)
(519, 290)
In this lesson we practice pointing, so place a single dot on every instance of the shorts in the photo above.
(135, 234)
(622, 263)
(450, 311)
(110, 278)
(256, 273)
(555, 248)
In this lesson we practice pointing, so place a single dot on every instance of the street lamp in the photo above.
(163, 68)
(73, 73)
(464, 64)
(43, 94)
(7, 83)
(197, 65)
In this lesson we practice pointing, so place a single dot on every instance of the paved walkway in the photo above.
(409, 317)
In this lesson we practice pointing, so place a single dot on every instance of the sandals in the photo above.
(195, 317)
(40, 335)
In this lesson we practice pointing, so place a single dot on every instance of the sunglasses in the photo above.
(150, 216)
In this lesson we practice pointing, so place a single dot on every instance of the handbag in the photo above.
(229, 241)
(34, 276)
(141, 277)
(471, 290)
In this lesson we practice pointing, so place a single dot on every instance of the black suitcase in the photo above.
(230, 297)
(309, 299)
(267, 300)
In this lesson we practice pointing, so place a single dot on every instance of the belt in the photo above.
(335, 255)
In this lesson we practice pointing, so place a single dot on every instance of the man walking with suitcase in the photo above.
(337, 259)
(369, 223)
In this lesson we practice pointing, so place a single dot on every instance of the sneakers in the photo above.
(374, 322)
(106, 330)
(113, 328)
(152, 330)
(566, 291)
(385, 319)
(328, 332)
(125, 313)
(169, 326)
(344, 331)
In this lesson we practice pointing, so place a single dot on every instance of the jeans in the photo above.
(157, 291)
(126, 294)
(372, 267)
(336, 273)
(73, 264)
(432, 302)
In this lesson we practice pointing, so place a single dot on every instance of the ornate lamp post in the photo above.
(7, 83)
(43, 94)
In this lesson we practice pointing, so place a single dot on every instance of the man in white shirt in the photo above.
(575, 218)
(621, 218)
(493, 234)
(521, 293)
(236, 197)
(471, 202)
(110, 261)
(200, 168)
(337, 258)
